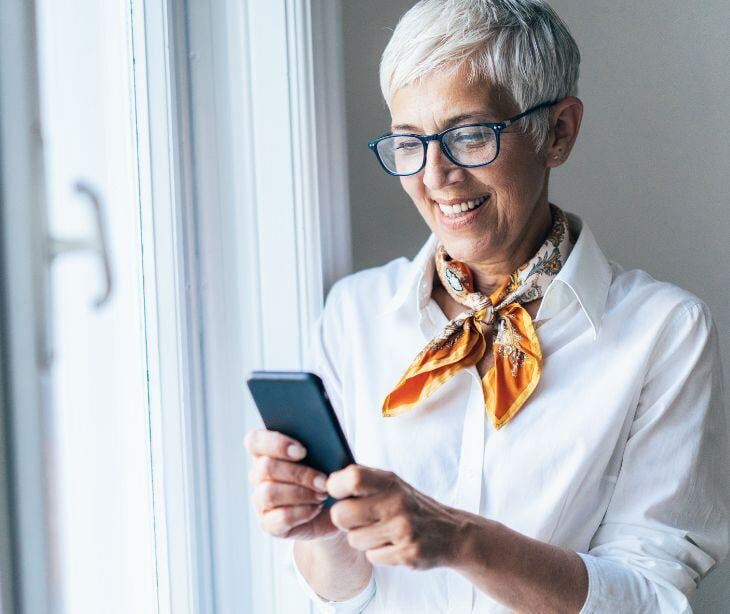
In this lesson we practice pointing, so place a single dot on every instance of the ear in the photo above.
(565, 118)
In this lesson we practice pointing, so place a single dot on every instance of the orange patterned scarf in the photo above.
(517, 356)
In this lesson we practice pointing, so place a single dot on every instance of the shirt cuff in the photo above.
(354, 605)
(614, 587)
(589, 604)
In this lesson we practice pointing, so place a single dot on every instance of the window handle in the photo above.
(99, 245)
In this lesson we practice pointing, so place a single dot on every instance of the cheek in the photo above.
(518, 179)
(410, 185)
(413, 186)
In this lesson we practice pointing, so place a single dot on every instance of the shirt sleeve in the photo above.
(323, 357)
(354, 605)
(668, 522)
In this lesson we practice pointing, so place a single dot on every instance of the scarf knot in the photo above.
(463, 341)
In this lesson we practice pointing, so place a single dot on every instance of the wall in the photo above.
(651, 165)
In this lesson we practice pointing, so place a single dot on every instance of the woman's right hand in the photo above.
(287, 495)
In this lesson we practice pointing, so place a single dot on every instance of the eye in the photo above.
(407, 145)
(470, 138)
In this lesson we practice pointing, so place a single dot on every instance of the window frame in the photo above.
(257, 241)
(172, 317)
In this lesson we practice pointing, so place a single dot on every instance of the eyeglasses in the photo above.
(467, 145)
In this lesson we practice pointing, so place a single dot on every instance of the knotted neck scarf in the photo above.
(517, 356)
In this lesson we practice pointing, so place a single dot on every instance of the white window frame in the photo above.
(254, 73)
(172, 316)
(246, 242)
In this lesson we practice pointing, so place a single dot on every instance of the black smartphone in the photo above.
(296, 403)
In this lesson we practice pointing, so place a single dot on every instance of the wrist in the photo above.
(337, 547)
(478, 543)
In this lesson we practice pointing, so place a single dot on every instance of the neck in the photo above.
(490, 274)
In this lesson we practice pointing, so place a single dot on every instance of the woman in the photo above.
(558, 442)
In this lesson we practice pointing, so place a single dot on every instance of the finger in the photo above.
(263, 442)
(388, 554)
(267, 468)
(269, 495)
(349, 514)
(281, 520)
(359, 481)
(369, 537)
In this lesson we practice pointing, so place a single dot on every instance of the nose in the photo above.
(439, 171)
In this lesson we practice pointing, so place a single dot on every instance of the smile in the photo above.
(459, 208)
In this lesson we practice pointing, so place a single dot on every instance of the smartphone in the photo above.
(296, 403)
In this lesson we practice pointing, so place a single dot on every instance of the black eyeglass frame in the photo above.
(496, 127)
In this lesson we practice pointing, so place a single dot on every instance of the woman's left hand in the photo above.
(392, 522)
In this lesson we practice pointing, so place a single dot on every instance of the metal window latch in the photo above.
(98, 245)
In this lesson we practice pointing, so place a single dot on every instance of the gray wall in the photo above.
(651, 165)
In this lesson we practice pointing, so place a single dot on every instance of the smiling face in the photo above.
(505, 229)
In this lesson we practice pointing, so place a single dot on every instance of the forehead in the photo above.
(431, 102)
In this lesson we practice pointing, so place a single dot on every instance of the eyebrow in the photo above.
(452, 121)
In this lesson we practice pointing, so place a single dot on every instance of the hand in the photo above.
(287, 499)
(394, 523)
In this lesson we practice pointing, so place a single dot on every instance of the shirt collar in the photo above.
(586, 273)
(417, 282)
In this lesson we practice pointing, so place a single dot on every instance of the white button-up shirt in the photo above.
(620, 454)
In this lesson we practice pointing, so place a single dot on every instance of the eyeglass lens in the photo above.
(470, 146)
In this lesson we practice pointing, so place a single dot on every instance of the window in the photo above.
(157, 169)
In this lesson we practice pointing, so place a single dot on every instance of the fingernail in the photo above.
(320, 482)
(295, 451)
(322, 496)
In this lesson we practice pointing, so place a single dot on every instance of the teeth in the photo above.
(452, 210)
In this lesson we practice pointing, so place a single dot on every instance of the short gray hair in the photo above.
(520, 46)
